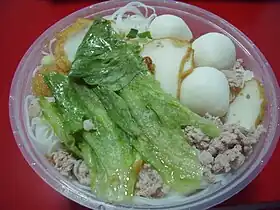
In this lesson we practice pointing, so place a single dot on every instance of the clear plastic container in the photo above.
(200, 21)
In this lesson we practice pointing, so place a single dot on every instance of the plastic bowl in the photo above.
(200, 21)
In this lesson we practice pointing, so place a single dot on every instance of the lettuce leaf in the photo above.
(166, 149)
(106, 150)
(169, 110)
(113, 149)
(105, 59)
(118, 111)
(179, 166)
(55, 119)
(67, 101)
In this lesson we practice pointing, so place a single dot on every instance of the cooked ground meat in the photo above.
(81, 172)
(197, 138)
(70, 167)
(226, 152)
(214, 119)
(63, 162)
(206, 158)
(236, 77)
(209, 177)
(150, 184)
(230, 159)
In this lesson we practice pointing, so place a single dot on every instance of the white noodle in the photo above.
(38, 130)
(44, 52)
(36, 69)
(50, 47)
(125, 21)
(27, 101)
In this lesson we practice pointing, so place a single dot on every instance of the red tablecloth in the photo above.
(22, 21)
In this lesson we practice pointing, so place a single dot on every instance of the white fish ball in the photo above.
(206, 90)
(170, 26)
(214, 50)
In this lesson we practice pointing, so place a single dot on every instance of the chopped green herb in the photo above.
(132, 33)
(145, 34)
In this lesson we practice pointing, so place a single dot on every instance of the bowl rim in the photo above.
(73, 194)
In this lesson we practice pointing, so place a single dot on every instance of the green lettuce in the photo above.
(106, 149)
(104, 59)
(166, 149)
(55, 119)
(168, 145)
(67, 101)
(113, 149)
(169, 110)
